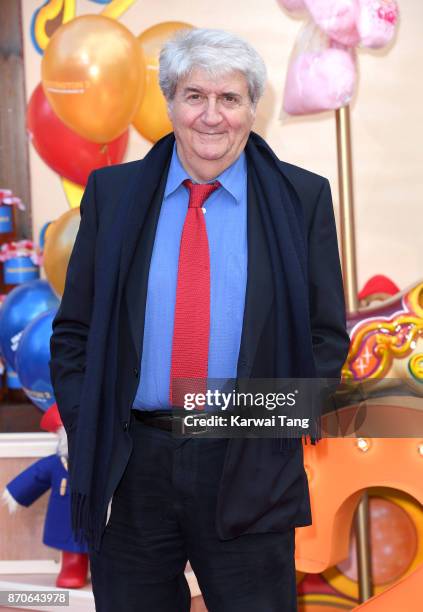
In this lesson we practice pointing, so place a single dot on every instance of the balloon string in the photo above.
(105, 151)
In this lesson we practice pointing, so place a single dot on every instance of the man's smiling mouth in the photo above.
(211, 133)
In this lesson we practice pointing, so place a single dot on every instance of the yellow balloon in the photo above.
(59, 241)
(73, 192)
(93, 74)
(151, 119)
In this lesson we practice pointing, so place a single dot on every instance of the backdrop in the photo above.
(387, 130)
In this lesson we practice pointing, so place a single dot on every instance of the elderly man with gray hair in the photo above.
(209, 258)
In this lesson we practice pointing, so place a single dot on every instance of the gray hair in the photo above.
(216, 51)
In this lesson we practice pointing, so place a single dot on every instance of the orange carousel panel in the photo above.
(339, 470)
(386, 347)
(405, 596)
(396, 529)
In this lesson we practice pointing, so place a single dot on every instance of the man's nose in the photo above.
(212, 115)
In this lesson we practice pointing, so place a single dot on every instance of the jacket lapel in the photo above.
(137, 257)
(150, 177)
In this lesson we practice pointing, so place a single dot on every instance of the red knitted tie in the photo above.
(191, 328)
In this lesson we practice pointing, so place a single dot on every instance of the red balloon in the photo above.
(67, 153)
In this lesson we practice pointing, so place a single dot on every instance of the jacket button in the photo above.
(125, 426)
(136, 372)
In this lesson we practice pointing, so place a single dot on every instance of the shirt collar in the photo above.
(176, 175)
(232, 179)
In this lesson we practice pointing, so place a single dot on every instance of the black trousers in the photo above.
(163, 513)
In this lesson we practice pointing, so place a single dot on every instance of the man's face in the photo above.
(212, 118)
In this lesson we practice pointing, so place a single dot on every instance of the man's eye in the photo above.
(230, 100)
(194, 97)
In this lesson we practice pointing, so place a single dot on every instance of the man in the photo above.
(208, 257)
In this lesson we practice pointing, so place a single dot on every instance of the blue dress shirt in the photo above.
(226, 223)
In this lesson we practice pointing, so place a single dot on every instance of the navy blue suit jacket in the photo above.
(263, 486)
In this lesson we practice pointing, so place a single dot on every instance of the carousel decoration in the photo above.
(371, 450)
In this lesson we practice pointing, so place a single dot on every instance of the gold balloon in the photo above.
(93, 74)
(153, 39)
(151, 119)
(59, 241)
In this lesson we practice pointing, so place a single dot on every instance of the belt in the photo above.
(162, 420)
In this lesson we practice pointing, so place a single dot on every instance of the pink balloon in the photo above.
(319, 81)
(292, 5)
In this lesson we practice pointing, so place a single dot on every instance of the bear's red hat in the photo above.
(51, 420)
(378, 284)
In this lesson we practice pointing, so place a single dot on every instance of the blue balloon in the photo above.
(42, 236)
(32, 360)
(21, 306)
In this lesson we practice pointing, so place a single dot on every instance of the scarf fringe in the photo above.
(85, 529)
(294, 440)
